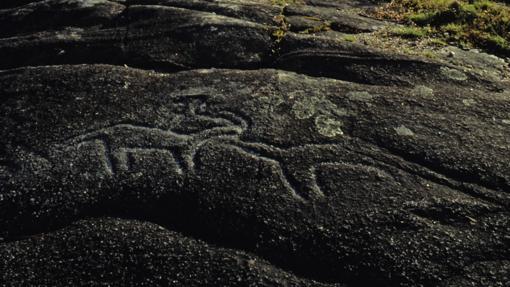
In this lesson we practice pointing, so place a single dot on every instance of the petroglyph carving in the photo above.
(300, 182)
(119, 143)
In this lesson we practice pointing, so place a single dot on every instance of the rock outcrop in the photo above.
(242, 143)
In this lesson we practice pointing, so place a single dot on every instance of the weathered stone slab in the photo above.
(128, 253)
(56, 14)
(213, 143)
(302, 171)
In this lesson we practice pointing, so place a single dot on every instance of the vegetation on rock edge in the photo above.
(466, 23)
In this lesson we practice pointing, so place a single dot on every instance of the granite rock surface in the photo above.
(236, 143)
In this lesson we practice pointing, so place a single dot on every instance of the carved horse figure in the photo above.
(121, 140)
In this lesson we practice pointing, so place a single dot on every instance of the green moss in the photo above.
(496, 42)
(437, 42)
(453, 28)
(422, 18)
(350, 38)
(410, 32)
(320, 27)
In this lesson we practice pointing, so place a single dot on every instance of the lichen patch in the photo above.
(328, 126)
(468, 102)
(454, 74)
(422, 91)
(304, 108)
(404, 131)
(362, 96)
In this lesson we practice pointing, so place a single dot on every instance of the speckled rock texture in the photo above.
(201, 143)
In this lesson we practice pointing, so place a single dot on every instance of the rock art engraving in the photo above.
(137, 147)
(119, 143)
(300, 182)
(120, 140)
